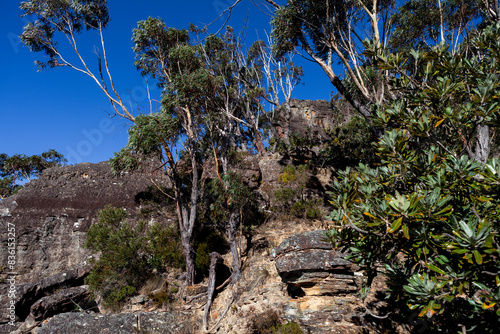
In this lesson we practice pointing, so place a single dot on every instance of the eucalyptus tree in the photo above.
(330, 33)
(279, 78)
(19, 167)
(52, 19)
(205, 108)
(168, 56)
(425, 23)
(238, 105)
(195, 94)
(258, 88)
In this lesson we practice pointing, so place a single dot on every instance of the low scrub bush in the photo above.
(291, 197)
(269, 322)
(164, 245)
(128, 255)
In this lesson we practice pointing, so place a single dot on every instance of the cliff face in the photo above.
(311, 116)
(286, 267)
(50, 216)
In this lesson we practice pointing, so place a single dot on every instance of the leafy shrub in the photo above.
(430, 211)
(119, 296)
(122, 266)
(202, 258)
(288, 328)
(349, 145)
(164, 245)
(290, 196)
(293, 182)
(314, 209)
(268, 322)
(128, 255)
(300, 145)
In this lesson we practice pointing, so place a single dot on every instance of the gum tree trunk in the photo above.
(215, 258)
(234, 223)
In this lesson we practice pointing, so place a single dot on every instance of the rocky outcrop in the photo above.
(322, 284)
(28, 294)
(50, 217)
(311, 118)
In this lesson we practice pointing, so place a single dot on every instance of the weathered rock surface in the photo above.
(65, 300)
(315, 116)
(306, 255)
(50, 216)
(321, 282)
(125, 323)
(29, 293)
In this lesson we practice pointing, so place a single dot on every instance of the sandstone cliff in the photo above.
(286, 267)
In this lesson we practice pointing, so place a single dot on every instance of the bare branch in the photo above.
(229, 9)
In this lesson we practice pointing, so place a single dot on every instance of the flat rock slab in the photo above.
(124, 323)
(303, 241)
(309, 252)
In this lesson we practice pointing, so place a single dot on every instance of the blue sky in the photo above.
(64, 110)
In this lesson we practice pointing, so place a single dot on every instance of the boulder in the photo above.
(321, 282)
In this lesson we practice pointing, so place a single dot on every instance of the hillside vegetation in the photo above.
(415, 192)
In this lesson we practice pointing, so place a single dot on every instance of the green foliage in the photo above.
(64, 16)
(165, 247)
(8, 187)
(288, 328)
(22, 167)
(229, 193)
(418, 22)
(119, 295)
(207, 238)
(202, 259)
(299, 144)
(429, 212)
(349, 145)
(122, 267)
(128, 255)
(291, 196)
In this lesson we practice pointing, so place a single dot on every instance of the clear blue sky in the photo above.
(64, 110)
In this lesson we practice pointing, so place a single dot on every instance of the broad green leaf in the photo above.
(395, 225)
(436, 269)
(478, 256)
(406, 231)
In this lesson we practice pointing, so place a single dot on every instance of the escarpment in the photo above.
(288, 271)
(50, 217)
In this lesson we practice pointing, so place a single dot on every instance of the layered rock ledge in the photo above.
(322, 284)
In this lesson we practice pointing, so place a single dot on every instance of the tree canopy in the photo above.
(20, 167)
